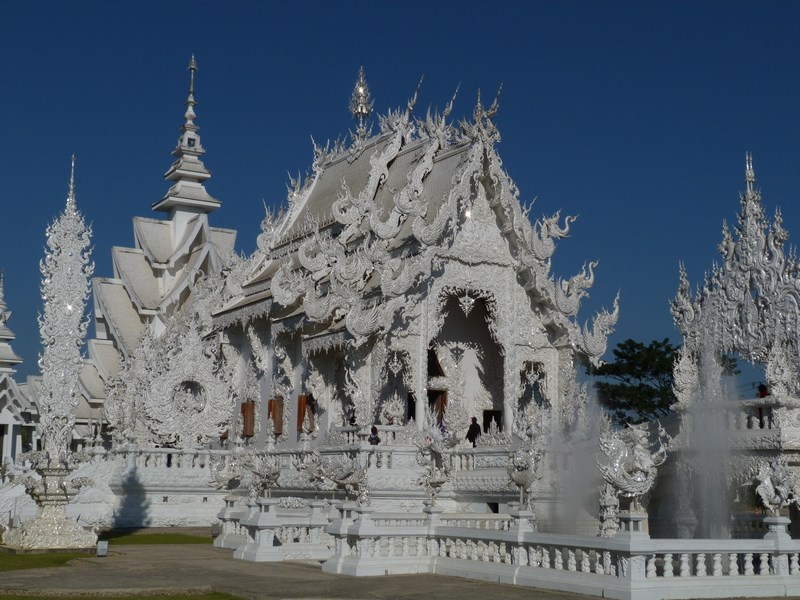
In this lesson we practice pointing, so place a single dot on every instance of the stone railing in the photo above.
(504, 548)
(629, 565)
(275, 535)
(232, 533)
(163, 458)
(471, 521)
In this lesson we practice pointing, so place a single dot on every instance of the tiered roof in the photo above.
(13, 397)
(378, 215)
(153, 279)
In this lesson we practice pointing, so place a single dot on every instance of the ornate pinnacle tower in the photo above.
(188, 172)
(361, 103)
(66, 270)
(65, 289)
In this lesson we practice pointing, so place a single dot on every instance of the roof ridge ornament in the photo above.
(412, 102)
(361, 103)
(482, 125)
(449, 107)
(495, 103)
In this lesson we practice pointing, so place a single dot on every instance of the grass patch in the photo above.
(204, 596)
(12, 562)
(139, 539)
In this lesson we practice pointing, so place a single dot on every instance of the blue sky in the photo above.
(633, 115)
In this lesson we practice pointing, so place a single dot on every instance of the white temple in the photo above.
(403, 286)
(312, 400)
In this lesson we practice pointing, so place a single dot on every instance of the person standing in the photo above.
(474, 431)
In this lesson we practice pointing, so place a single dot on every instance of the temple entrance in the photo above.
(465, 363)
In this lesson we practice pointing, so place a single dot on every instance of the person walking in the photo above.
(474, 431)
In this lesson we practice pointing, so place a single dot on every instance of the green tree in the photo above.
(637, 385)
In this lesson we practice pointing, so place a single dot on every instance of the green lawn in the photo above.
(205, 596)
(11, 562)
(128, 539)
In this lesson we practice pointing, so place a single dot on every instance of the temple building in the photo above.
(18, 413)
(405, 277)
(401, 292)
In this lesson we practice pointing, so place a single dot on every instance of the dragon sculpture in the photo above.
(631, 460)
(523, 470)
(345, 473)
(776, 486)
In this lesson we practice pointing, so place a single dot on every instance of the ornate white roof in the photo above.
(154, 238)
(131, 266)
(118, 311)
(104, 357)
(375, 219)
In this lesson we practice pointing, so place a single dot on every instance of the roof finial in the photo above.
(361, 102)
(2, 286)
(71, 195)
(496, 104)
(478, 112)
(192, 69)
(449, 108)
(749, 173)
(413, 101)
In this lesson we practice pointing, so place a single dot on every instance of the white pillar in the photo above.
(17, 442)
(421, 375)
(7, 433)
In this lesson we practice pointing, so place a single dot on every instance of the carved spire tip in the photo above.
(71, 196)
(749, 172)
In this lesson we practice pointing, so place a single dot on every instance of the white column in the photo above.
(7, 433)
(421, 375)
(17, 442)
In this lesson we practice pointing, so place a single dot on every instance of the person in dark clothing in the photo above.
(373, 436)
(474, 431)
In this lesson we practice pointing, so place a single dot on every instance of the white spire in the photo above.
(188, 171)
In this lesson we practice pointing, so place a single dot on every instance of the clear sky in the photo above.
(636, 116)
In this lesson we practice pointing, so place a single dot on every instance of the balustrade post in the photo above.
(668, 566)
(733, 565)
(778, 535)
(521, 520)
(633, 524)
